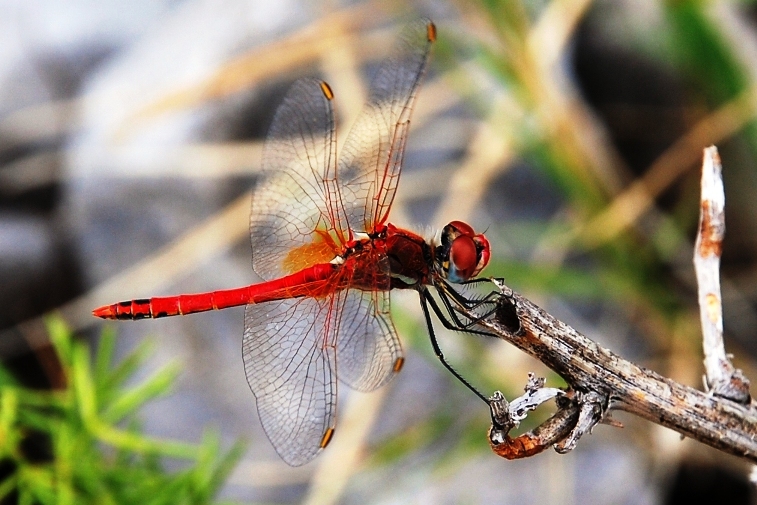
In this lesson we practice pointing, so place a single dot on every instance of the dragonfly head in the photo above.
(461, 253)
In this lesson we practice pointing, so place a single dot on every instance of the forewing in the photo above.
(368, 349)
(291, 224)
(289, 359)
(371, 159)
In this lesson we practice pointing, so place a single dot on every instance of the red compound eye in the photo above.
(463, 259)
(462, 253)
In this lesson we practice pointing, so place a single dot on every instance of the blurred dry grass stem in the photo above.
(210, 238)
(267, 474)
(640, 196)
(568, 122)
(554, 28)
(39, 122)
(345, 454)
(312, 43)
(490, 152)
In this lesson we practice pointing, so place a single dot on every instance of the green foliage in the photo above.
(703, 52)
(92, 450)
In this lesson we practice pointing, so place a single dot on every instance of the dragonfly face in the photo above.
(461, 253)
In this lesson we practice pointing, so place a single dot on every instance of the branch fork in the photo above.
(577, 414)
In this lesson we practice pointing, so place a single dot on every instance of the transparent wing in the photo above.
(369, 352)
(293, 349)
(292, 224)
(289, 359)
(371, 159)
(303, 209)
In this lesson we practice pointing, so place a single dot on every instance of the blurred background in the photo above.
(571, 131)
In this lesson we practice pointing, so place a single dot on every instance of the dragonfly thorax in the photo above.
(408, 255)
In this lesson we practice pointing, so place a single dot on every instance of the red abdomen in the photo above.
(312, 281)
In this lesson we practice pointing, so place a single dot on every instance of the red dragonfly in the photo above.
(321, 240)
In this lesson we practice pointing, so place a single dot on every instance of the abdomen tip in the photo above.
(104, 312)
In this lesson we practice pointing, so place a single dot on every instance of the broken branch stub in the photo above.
(722, 378)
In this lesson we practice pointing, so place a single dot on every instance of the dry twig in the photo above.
(601, 381)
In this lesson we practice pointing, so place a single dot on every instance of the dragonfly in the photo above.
(329, 257)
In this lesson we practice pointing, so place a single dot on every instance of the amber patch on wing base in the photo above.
(308, 255)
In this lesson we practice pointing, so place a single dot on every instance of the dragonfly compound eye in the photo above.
(463, 259)
(462, 253)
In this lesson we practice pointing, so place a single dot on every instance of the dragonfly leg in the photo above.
(451, 320)
(450, 298)
(458, 305)
(426, 299)
(444, 288)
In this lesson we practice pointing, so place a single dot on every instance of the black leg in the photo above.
(450, 319)
(444, 288)
(426, 298)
